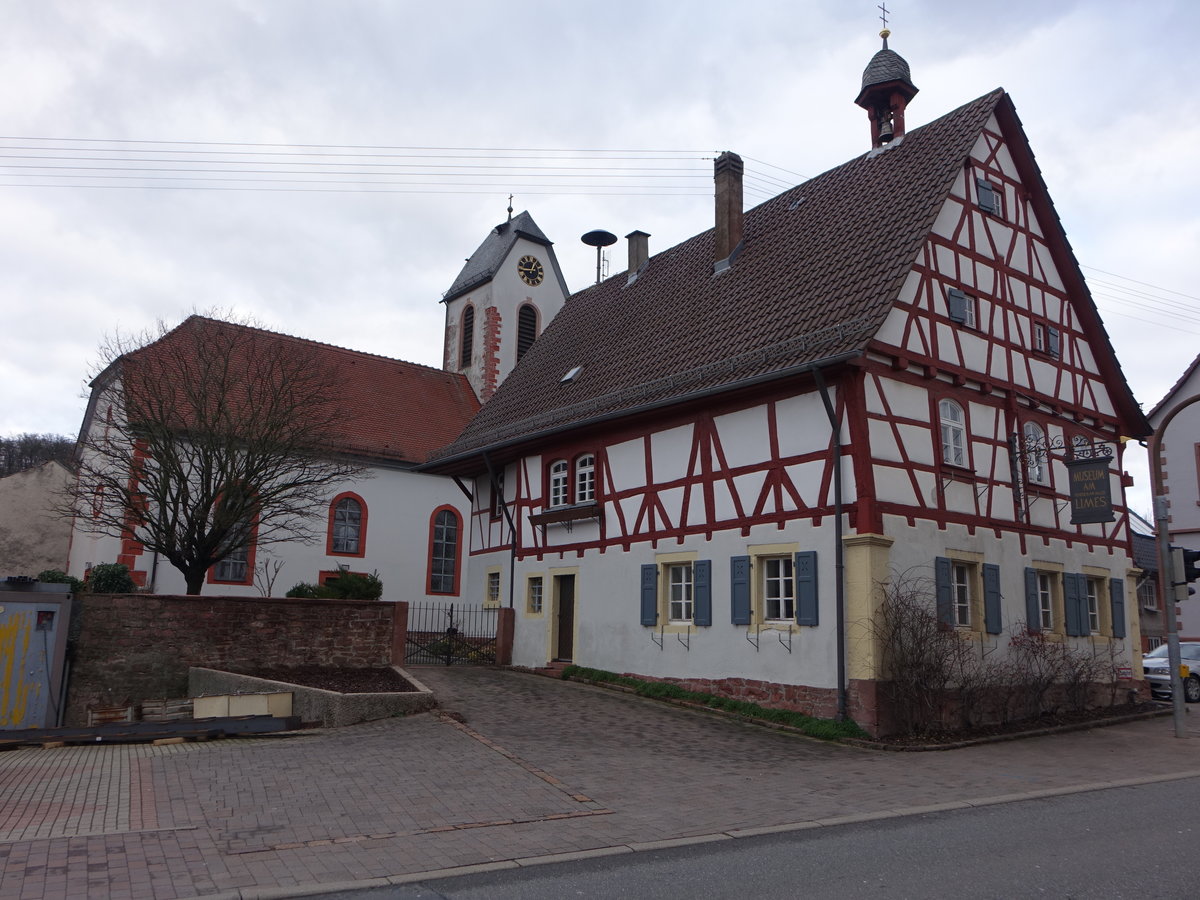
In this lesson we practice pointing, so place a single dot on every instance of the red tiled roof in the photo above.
(386, 409)
(820, 267)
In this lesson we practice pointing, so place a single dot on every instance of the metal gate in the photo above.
(449, 634)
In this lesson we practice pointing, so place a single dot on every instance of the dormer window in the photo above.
(571, 375)
(991, 197)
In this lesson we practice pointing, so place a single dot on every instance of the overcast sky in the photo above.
(340, 249)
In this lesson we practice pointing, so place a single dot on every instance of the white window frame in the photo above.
(962, 593)
(345, 525)
(535, 587)
(1093, 605)
(1039, 337)
(952, 420)
(585, 478)
(1037, 460)
(1045, 594)
(680, 590)
(560, 484)
(777, 587)
(1154, 642)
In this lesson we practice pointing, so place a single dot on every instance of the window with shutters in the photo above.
(534, 586)
(1093, 587)
(968, 593)
(1047, 339)
(1044, 599)
(585, 478)
(467, 338)
(527, 328)
(1094, 605)
(559, 483)
(990, 197)
(960, 307)
(953, 432)
(676, 592)
(347, 533)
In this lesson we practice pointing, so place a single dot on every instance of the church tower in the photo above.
(505, 295)
(886, 90)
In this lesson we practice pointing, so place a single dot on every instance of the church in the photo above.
(711, 467)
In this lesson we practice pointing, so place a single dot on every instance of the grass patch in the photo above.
(826, 729)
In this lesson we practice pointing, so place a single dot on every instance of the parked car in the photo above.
(1158, 675)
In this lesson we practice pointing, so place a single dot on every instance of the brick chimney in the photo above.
(727, 173)
(639, 250)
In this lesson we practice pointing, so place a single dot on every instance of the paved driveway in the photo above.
(537, 768)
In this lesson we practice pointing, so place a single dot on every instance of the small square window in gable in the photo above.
(989, 196)
(960, 307)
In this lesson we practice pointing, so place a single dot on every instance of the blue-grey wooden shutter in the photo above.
(956, 300)
(987, 195)
(941, 581)
(650, 594)
(805, 572)
(739, 590)
(1116, 593)
(1054, 340)
(1071, 602)
(1033, 606)
(702, 586)
(992, 617)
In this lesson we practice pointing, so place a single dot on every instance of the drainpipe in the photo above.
(512, 531)
(839, 565)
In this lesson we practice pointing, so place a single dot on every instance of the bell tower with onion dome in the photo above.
(886, 89)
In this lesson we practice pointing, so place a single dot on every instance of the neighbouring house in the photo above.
(710, 466)
(1180, 451)
(32, 537)
(1151, 617)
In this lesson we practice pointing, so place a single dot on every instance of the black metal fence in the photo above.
(450, 634)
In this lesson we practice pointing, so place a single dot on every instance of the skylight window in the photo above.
(571, 376)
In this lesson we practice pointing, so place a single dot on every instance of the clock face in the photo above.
(530, 270)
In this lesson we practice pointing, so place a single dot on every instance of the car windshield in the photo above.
(1186, 651)
(1158, 652)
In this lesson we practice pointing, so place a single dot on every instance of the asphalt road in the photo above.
(1136, 842)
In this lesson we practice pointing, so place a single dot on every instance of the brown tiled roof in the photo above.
(820, 267)
(386, 409)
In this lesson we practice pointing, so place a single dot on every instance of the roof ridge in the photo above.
(304, 340)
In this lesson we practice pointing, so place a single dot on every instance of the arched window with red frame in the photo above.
(445, 539)
(347, 534)
(237, 565)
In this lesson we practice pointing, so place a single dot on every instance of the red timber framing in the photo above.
(763, 492)
(983, 255)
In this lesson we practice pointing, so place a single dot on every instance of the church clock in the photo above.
(530, 270)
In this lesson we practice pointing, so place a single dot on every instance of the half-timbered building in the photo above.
(711, 466)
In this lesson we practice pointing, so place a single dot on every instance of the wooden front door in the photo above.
(564, 610)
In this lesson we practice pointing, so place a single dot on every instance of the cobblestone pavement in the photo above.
(538, 768)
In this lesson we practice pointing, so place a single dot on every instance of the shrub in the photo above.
(347, 586)
(110, 578)
(58, 576)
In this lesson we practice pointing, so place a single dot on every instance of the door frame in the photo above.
(555, 601)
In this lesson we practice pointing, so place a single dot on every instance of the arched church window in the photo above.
(347, 525)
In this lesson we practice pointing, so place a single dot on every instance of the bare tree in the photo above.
(211, 437)
(24, 451)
